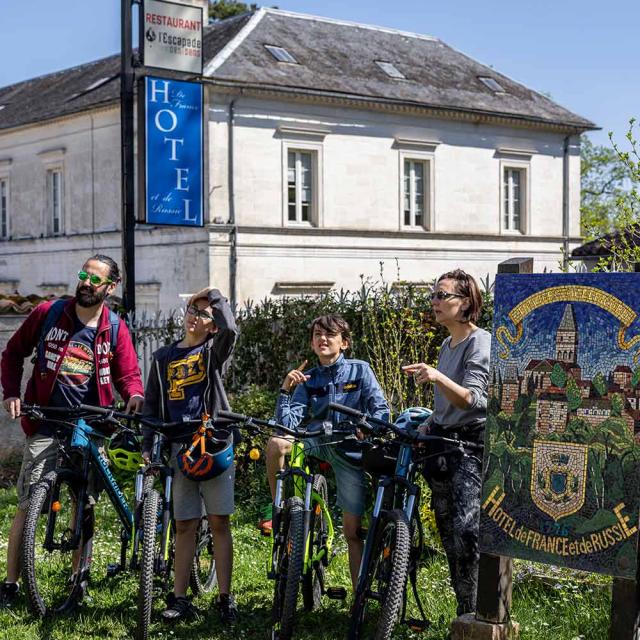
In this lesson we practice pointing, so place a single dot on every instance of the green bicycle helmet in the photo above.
(124, 452)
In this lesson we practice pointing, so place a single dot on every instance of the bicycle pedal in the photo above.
(336, 593)
(417, 626)
(113, 569)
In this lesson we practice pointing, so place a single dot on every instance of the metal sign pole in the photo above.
(127, 160)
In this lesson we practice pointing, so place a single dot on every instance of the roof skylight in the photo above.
(280, 54)
(492, 84)
(391, 70)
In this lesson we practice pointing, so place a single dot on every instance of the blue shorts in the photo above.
(351, 481)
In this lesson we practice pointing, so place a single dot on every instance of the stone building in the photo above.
(330, 146)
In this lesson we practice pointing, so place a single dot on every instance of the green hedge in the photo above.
(391, 326)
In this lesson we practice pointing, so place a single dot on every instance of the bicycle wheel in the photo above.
(289, 564)
(313, 577)
(203, 576)
(385, 581)
(52, 581)
(150, 547)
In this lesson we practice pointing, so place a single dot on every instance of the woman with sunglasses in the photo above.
(460, 382)
(185, 381)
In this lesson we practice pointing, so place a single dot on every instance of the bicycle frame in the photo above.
(298, 469)
(166, 478)
(406, 495)
(80, 442)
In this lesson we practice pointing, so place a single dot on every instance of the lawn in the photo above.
(562, 606)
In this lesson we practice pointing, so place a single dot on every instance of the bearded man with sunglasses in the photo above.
(84, 351)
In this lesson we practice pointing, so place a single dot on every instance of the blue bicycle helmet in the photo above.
(209, 454)
(412, 417)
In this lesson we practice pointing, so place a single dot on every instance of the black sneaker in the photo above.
(228, 608)
(178, 609)
(8, 593)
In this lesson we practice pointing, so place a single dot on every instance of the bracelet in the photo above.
(286, 392)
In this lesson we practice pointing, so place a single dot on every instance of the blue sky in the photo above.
(585, 54)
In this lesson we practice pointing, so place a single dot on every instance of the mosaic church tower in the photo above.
(567, 337)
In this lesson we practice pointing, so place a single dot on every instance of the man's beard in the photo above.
(87, 296)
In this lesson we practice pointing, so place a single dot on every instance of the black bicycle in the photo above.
(157, 527)
(58, 530)
(394, 542)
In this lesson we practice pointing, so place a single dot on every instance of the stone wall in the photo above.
(12, 435)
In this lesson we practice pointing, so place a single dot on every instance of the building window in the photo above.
(55, 200)
(4, 208)
(300, 186)
(514, 199)
(415, 186)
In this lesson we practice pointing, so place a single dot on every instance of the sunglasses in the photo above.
(202, 315)
(93, 278)
(444, 295)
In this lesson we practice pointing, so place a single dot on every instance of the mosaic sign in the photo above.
(562, 455)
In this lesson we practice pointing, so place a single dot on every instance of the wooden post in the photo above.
(624, 623)
(494, 572)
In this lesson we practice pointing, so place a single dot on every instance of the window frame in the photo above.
(6, 197)
(524, 169)
(427, 161)
(314, 149)
(53, 171)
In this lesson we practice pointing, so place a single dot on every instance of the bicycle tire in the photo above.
(149, 529)
(51, 585)
(388, 567)
(313, 577)
(289, 570)
(204, 576)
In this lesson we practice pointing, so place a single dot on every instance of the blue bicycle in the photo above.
(394, 542)
(58, 530)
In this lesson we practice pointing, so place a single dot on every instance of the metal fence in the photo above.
(152, 331)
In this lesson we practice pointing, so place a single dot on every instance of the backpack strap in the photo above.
(50, 320)
(114, 321)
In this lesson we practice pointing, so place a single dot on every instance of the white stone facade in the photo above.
(358, 159)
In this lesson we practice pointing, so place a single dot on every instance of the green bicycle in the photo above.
(303, 532)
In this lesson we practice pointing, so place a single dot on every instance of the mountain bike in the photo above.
(302, 528)
(394, 543)
(58, 530)
(157, 527)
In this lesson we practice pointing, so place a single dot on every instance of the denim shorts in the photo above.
(351, 481)
(192, 499)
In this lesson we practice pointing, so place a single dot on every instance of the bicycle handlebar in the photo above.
(404, 434)
(296, 432)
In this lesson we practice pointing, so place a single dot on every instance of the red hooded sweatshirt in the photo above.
(121, 365)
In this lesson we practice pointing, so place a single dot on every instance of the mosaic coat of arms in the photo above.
(562, 456)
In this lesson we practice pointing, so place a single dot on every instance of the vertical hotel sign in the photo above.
(173, 157)
(171, 34)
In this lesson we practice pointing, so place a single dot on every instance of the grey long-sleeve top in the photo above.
(467, 364)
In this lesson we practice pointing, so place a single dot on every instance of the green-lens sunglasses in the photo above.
(93, 278)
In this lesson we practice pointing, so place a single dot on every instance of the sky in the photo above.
(582, 53)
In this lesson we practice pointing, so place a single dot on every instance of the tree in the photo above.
(221, 9)
(617, 404)
(604, 178)
(574, 398)
(635, 378)
(558, 376)
(611, 200)
(600, 384)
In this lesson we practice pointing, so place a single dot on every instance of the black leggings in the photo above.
(455, 500)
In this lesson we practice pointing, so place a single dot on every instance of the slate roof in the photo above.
(568, 322)
(334, 58)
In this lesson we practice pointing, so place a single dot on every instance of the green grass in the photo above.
(564, 606)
